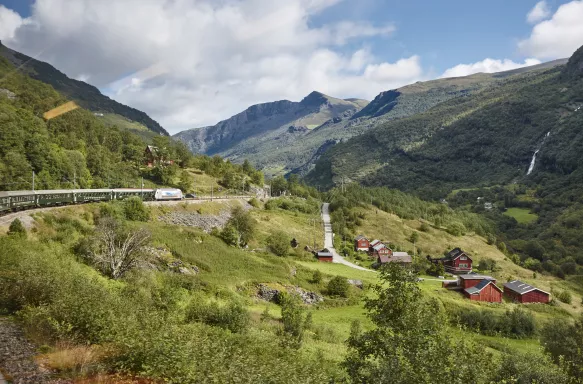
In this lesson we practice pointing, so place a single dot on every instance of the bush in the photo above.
(317, 277)
(487, 264)
(254, 203)
(292, 317)
(16, 228)
(424, 227)
(516, 323)
(565, 297)
(232, 316)
(278, 243)
(338, 286)
(456, 229)
(135, 209)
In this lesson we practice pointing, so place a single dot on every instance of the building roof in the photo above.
(521, 288)
(324, 253)
(481, 285)
(474, 276)
(400, 254)
(360, 237)
(400, 259)
(374, 242)
(383, 259)
(379, 246)
(455, 253)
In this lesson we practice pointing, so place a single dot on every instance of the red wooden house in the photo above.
(471, 279)
(361, 243)
(457, 262)
(485, 290)
(525, 293)
(325, 255)
(379, 249)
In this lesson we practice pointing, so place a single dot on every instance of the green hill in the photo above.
(484, 140)
(86, 95)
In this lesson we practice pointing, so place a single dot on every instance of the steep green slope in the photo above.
(489, 139)
(84, 94)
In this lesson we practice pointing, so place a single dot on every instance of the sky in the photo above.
(192, 63)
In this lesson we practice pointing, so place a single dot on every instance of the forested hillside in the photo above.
(86, 95)
(485, 140)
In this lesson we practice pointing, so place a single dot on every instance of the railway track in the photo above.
(7, 218)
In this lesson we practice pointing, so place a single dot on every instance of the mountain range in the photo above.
(85, 95)
(289, 137)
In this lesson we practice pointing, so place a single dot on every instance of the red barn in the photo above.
(325, 255)
(525, 293)
(485, 290)
(361, 243)
(471, 280)
(457, 261)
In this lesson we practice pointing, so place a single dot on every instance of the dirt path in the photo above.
(17, 358)
(329, 241)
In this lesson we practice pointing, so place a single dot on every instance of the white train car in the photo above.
(168, 194)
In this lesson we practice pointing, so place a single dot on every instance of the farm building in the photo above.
(469, 280)
(396, 257)
(456, 262)
(361, 243)
(325, 255)
(379, 250)
(525, 293)
(485, 290)
(152, 156)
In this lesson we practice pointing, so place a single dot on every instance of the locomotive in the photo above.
(19, 200)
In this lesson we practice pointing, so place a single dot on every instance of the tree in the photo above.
(338, 286)
(316, 277)
(278, 243)
(292, 317)
(278, 185)
(16, 228)
(410, 342)
(117, 250)
(135, 209)
(185, 183)
(414, 237)
(564, 342)
(243, 225)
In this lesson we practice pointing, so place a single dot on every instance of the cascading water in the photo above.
(533, 161)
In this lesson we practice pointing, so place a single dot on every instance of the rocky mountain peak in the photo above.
(574, 67)
(315, 99)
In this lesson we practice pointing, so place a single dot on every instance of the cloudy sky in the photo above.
(190, 63)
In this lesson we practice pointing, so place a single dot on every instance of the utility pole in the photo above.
(75, 178)
(142, 189)
(33, 181)
(212, 186)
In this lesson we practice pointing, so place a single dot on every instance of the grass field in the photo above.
(522, 215)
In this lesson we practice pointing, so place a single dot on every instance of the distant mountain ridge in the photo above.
(86, 95)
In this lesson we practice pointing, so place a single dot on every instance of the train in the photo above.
(18, 200)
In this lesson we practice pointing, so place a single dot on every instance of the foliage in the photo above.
(185, 183)
(16, 228)
(338, 286)
(116, 250)
(564, 342)
(254, 203)
(565, 297)
(317, 277)
(232, 316)
(487, 264)
(409, 343)
(278, 243)
(240, 228)
(515, 323)
(292, 317)
(135, 209)
(294, 204)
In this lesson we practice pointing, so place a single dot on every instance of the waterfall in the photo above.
(533, 161)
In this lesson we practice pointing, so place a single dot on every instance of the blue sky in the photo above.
(191, 63)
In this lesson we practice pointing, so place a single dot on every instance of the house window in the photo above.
(463, 265)
(463, 258)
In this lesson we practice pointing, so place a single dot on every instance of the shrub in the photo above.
(135, 209)
(487, 264)
(317, 277)
(424, 227)
(278, 243)
(16, 228)
(292, 317)
(254, 203)
(338, 286)
(456, 229)
(565, 297)
(232, 316)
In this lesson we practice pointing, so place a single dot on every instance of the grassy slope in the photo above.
(522, 215)
(112, 119)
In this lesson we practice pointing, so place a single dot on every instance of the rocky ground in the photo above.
(194, 219)
(17, 362)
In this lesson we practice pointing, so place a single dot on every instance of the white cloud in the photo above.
(219, 57)
(487, 66)
(558, 37)
(9, 22)
(540, 12)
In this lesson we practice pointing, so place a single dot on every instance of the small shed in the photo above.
(325, 255)
(361, 243)
(457, 261)
(525, 293)
(486, 291)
